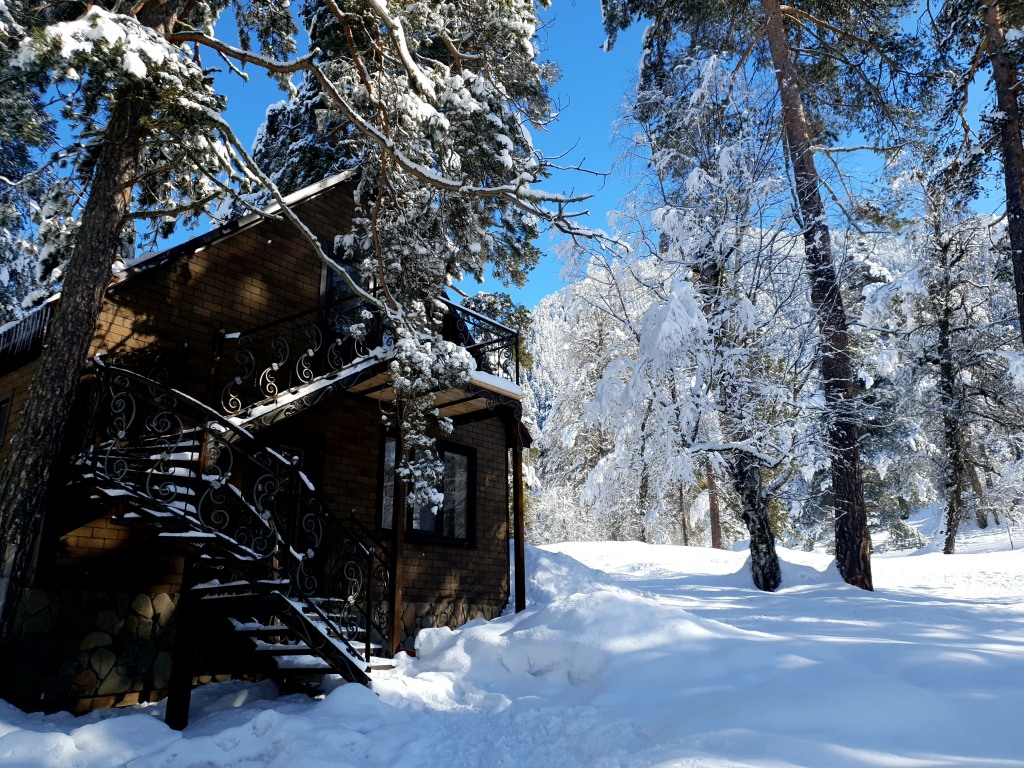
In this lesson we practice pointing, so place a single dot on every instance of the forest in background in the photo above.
(678, 383)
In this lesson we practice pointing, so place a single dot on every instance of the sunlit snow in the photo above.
(639, 655)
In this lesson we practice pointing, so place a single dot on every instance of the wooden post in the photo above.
(186, 650)
(518, 517)
(398, 521)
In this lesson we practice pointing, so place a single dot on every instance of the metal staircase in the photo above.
(297, 589)
(301, 590)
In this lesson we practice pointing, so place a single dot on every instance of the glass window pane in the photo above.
(456, 495)
(388, 504)
(425, 519)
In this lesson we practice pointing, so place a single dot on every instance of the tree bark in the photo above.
(639, 522)
(764, 563)
(978, 497)
(714, 512)
(1005, 78)
(684, 518)
(955, 459)
(25, 476)
(853, 544)
(956, 464)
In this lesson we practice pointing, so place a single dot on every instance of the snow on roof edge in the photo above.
(496, 384)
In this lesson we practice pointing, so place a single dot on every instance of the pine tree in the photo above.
(834, 64)
(129, 93)
(979, 31)
(947, 318)
(24, 133)
(434, 91)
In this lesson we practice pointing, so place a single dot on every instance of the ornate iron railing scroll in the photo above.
(495, 347)
(258, 366)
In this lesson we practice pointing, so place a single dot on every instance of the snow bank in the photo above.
(637, 655)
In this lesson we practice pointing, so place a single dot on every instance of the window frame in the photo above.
(421, 535)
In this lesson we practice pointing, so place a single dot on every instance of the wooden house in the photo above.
(226, 501)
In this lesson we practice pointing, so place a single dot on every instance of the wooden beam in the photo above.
(398, 521)
(187, 637)
(518, 517)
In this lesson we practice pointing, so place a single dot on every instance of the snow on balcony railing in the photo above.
(494, 346)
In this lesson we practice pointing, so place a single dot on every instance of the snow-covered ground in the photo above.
(636, 655)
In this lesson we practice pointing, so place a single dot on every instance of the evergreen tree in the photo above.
(947, 320)
(24, 133)
(970, 34)
(437, 92)
(835, 64)
(147, 141)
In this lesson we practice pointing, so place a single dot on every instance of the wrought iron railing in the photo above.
(181, 462)
(261, 365)
(265, 365)
(494, 347)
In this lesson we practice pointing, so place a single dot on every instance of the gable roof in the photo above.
(230, 228)
(21, 340)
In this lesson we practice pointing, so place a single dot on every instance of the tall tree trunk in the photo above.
(952, 429)
(764, 563)
(684, 518)
(714, 511)
(978, 496)
(853, 544)
(1005, 79)
(956, 499)
(644, 490)
(26, 475)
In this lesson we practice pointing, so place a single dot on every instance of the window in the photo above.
(454, 520)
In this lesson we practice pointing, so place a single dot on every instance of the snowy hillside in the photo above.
(637, 655)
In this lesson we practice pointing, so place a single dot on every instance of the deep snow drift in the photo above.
(637, 655)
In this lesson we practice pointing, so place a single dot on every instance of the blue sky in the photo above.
(593, 85)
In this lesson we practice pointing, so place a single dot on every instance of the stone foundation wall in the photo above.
(88, 650)
(448, 613)
(83, 650)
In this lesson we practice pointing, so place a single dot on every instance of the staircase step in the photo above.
(201, 536)
(283, 649)
(257, 591)
(309, 663)
(258, 630)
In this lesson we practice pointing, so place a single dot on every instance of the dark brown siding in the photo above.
(434, 573)
(252, 278)
(15, 386)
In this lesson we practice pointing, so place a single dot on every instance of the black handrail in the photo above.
(494, 347)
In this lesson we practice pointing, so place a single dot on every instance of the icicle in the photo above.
(21, 336)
